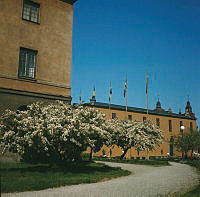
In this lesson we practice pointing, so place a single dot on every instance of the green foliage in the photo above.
(187, 141)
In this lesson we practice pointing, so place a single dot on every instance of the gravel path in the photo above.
(145, 181)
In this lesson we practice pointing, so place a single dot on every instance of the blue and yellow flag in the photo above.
(94, 93)
(147, 84)
(110, 92)
(125, 88)
(80, 98)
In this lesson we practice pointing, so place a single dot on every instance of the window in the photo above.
(144, 119)
(170, 125)
(27, 63)
(129, 117)
(31, 11)
(158, 122)
(114, 115)
(181, 124)
(191, 126)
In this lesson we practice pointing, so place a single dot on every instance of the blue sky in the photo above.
(115, 38)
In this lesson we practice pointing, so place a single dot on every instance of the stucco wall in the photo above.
(164, 126)
(52, 38)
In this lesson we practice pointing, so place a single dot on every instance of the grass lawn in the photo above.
(140, 162)
(17, 177)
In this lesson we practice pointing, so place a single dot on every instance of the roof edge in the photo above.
(138, 110)
(69, 1)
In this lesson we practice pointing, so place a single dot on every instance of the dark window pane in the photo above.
(181, 124)
(158, 122)
(129, 117)
(31, 11)
(22, 67)
(114, 115)
(27, 63)
(191, 126)
(170, 125)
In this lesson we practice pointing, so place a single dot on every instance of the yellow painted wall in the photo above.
(52, 38)
(164, 126)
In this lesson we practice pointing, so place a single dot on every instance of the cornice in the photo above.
(69, 1)
(37, 81)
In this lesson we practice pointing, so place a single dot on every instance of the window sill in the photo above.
(27, 79)
(31, 21)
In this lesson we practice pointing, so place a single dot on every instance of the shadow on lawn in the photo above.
(83, 167)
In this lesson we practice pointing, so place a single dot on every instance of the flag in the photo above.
(110, 93)
(80, 98)
(125, 88)
(94, 93)
(147, 84)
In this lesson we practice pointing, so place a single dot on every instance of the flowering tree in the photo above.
(93, 124)
(127, 134)
(122, 134)
(150, 136)
(47, 133)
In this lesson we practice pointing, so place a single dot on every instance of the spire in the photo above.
(169, 110)
(158, 106)
(188, 109)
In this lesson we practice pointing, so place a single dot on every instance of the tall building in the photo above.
(35, 51)
(169, 122)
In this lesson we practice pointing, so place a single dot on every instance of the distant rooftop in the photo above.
(69, 1)
(139, 110)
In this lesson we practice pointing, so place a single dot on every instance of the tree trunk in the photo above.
(91, 151)
(186, 155)
(123, 154)
(182, 155)
(192, 153)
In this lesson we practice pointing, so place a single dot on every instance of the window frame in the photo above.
(158, 122)
(170, 125)
(144, 118)
(35, 5)
(180, 125)
(191, 126)
(27, 66)
(114, 115)
(130, 117)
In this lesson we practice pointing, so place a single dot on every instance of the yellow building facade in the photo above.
(35, 52)
(170, 123)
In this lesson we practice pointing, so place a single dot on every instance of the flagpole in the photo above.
(147, 102)
(80, 98)
(126, 97)
(127, 100)
(110, 97)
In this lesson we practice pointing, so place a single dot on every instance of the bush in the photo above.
(44, 133)
(52, 132)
